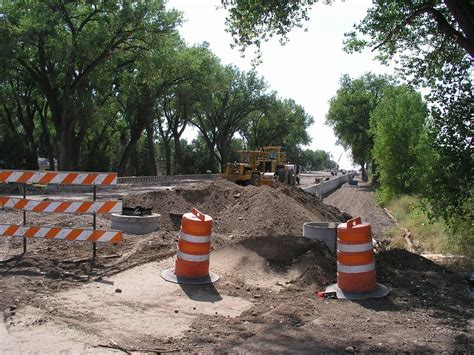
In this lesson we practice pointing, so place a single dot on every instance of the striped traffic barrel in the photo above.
(355, 257)
(194, 247)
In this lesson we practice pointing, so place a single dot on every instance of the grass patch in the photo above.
(433, 236)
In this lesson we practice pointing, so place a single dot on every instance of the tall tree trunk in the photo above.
(46, 139)
(166, 144)
(178, 156)
(64, 147)
(150, 133)
(364, 172)
(122, 169)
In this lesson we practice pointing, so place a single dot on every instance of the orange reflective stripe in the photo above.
(31, 231)
(107, 206)
(69, 178)
(84, 206)
(194, 248)
(47, 178)
(109, 179)
(73, 234)
(90, 179)
(21, 203)
(356, 258)
(4, 175)
(11, 230)
(52, 233)
(96, 235)
(25, 176)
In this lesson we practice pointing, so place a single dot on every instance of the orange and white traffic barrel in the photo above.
(194, 247)
(356, 277)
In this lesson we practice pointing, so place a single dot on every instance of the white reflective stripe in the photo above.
(117, 207)
(355, 269)
(114, 181)
(353, 248)
(15, 176)
(84, 235)
(107, 236)
(99, 179)
(79, 179)
(3, 228)
(52, 206)
(73, 207)
(57, 179)
(42, 232)
(193, 238)
(63, 233)
(189, 257)
(35, 177)
(12, 202)
(30, 205)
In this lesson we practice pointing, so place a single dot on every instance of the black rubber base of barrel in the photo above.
(170, 276)
(379, 292)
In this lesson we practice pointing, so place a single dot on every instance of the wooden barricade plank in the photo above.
(58, 233)
(85, 207)
(57, 177)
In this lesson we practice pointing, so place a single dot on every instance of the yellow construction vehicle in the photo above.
(263, 166)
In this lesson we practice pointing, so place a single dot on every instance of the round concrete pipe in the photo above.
(136, 224)
(322, 231)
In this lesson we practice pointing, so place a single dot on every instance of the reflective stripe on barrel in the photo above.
(355, 257)
(192, 259)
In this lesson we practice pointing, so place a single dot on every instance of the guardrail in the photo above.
(163, 179)
(325, 187)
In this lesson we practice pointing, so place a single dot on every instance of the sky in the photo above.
(307, 69)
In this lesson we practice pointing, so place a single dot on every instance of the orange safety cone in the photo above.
(356, 278)
(194, 246)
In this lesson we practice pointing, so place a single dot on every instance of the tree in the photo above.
(230, 97)
(388, 21)
(349, 114)
(280, 122)
(59, 44)
(401, 148)
(314, 160)
(434, 45)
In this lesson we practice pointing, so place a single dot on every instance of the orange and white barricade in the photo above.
(94, 207)
(356, 277)
(194, 247)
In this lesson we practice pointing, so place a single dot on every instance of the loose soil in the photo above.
(54, 299)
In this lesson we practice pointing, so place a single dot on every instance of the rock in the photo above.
(118, 290)
(257, 296)
(176, 311)
(237, 195)
(350, 349)
(12, 307)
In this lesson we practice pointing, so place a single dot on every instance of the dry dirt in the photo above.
(55, 300)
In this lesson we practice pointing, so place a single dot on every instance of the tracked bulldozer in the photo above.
(261, 167)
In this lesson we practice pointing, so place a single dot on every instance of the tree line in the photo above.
(414, 146)
(111, 86)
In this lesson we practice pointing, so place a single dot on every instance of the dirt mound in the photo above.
(238, 210)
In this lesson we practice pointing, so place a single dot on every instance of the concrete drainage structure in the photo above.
(324, 232)
(136, 224)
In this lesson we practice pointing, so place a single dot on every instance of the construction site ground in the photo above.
(55, 300)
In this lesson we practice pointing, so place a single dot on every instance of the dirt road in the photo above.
(360, 201)
(54, 300)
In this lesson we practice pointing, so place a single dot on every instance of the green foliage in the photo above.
(431, 42)
(350, 110)
(400, 149)
(279, 123)
(316, 160)
(254, 22)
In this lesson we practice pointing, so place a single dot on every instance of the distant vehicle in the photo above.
(262, 167)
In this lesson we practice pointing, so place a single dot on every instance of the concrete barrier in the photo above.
(326, 187)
